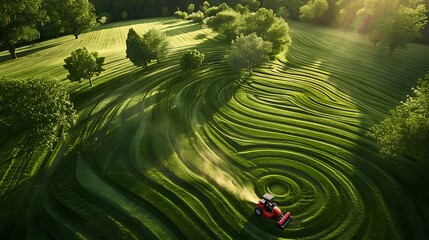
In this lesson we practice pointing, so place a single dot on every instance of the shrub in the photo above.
(197, 17)
(191, 60)
(181, 15)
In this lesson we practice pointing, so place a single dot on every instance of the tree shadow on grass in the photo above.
(367, 81)
(131, 22)
(189, 27)
(24, 51)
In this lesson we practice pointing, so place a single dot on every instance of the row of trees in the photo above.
(393, 23)
(23, 20)
(116, 10)
(264, 23)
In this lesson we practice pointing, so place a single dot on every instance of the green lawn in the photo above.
(159, 154)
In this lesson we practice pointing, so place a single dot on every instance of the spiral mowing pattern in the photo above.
(159, 154)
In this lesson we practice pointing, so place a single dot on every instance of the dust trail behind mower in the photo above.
(269, 209)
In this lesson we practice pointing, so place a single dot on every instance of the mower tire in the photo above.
(258, 211)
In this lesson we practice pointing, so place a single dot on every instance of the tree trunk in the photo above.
(11, 49)
(90, 82)
(75, 35)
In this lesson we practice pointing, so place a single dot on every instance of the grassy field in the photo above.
(159, 154)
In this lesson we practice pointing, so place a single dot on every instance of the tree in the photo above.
(40, 106)
(181, 15)
(206, 5)
(241, 9)
(77, 16)
(406, 130)
(141, 50)
(225, 22)
(269, 27)
(83, 64)
(53, 27)
(249, 52)
(191, 8)
(197, 17)
(18, 22)
(253, 5)
(157, 44)
(403, 25)
(313, 10)
(137, 51)
(392, 23)
(191, 60)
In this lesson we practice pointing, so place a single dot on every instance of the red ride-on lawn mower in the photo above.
(268, 209)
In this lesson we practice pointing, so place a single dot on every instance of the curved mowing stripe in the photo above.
(170, 155)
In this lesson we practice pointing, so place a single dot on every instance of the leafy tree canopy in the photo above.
(313, 10)
(225, 22)
(191, 60)
(157, 44)
(18, 22)
(249, 52)
(393, 23)
(76, 16)
(406, 130)
(137, 51)
(141, 50)
(268, 26)
(83, 64)
(40, 106)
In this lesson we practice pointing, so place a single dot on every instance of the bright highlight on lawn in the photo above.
(158, 153)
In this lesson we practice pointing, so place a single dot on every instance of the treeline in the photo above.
(116, 10)
(343, 13)
(392, 23)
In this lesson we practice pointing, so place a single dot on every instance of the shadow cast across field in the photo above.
(187, 27)
(147, 129)
(25, 51)
(354, 86)
(134, 22)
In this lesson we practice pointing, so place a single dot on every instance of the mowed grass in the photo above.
(159, 154)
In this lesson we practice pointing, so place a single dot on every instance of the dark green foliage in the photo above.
(76, 16)
(141, 50)
(212, 11)
(83, 64)
(191, 60)
(313, 10)
(40, 106)
(286, 8)
(181, 15)
(18, 22)
(137, 50)
(406, 130)
(156, 43)
(226, 23)
(404, 25)
(252, 5)
(391, 23)
(54, 27)
(241, 9)
(191, 8)
(249, 52)
(197, 17)
(268, 26)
